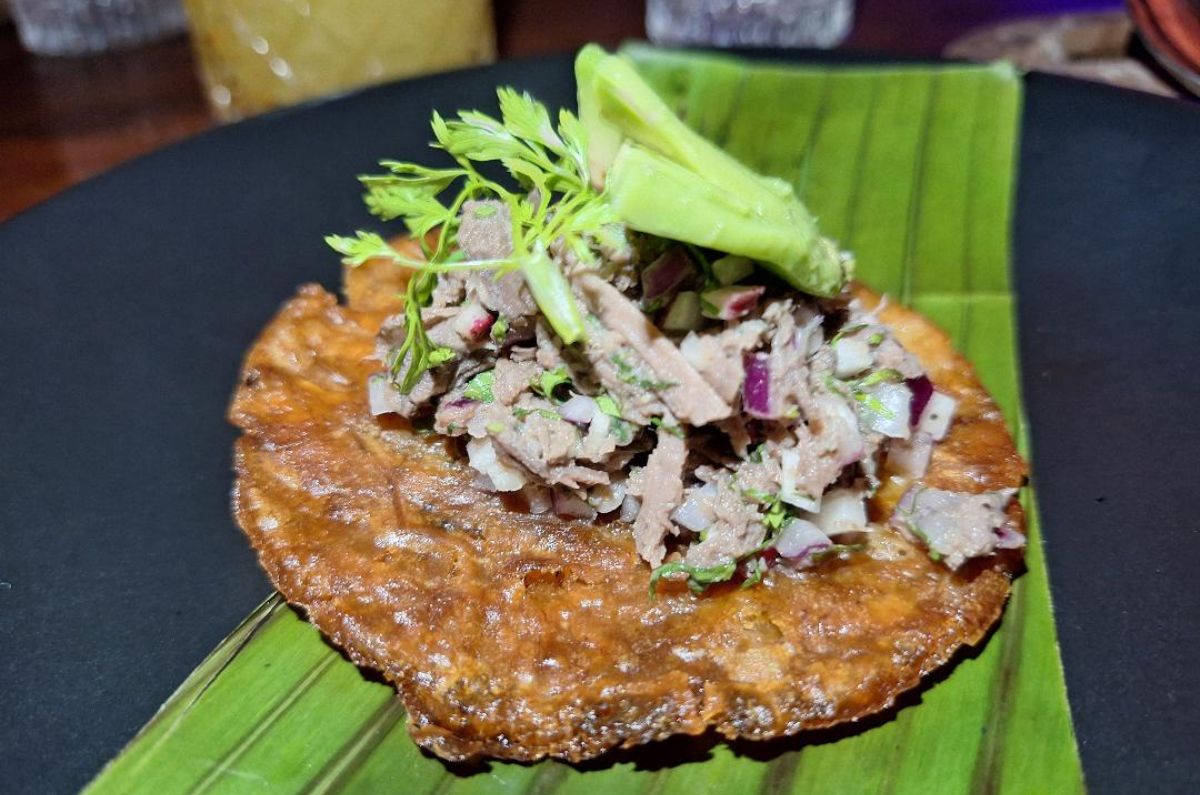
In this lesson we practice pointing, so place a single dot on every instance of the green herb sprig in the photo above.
(555, 205)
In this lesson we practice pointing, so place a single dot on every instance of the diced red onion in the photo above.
(473, 322)
(910, 457)
(730, 303)
(383, 397)
(893, 420)
(842, 511)
(665, 274)
(800, 538)
(852, 356)
(568, 504)
(579, 409)
(1008, 538)
(922, 390)
(756, 389)
(937, 416)
(684, 312)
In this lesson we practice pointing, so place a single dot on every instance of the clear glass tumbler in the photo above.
(261, 54)
(79, 27)
(749, 23)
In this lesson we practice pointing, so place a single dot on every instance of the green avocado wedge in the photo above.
(665, 179)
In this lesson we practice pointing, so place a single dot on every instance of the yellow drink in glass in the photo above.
(261, 54)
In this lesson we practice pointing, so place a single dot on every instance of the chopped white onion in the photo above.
(607, 497)
(800, 537)
(842, 511)
(691, 516)
(382, 396)
(809, 338)
(630, 508)
(1008, 538)
(850, 444)
(600, 424)
(481, 454)
(910, 457)
(853, 356)
(893, 418)
(579, 409)
(935, 419)
(540, 499)
(568, 504)
(473, 322)
(789, 466)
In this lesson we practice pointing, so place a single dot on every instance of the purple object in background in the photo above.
(738, 23)
(80, 27)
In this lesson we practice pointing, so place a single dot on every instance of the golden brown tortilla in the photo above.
(521, 636)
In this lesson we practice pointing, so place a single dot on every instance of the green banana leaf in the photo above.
(913, 169)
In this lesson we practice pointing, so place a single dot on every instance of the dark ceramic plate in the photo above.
(127, 303)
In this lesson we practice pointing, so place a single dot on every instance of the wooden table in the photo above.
(66, 119)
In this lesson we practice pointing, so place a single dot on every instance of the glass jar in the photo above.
(261, 54)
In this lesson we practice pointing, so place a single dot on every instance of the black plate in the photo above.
(128, 301)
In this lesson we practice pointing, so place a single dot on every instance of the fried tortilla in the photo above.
(522, 636)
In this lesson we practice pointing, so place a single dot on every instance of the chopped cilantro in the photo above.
(521, 414)
(756, 568)
(875, 338)
(547, 160)
(496, 427)
(551, 380)
(622, 430)
(674, 430)
(698, 578)
(440, 356)
(609, 406)
(630, 375)
(480, 387)
(836, 550)
(887, 374)
(777, 514)
(499, 328)
(873, 403)
(846, 331)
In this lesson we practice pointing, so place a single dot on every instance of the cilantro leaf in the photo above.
(480, 387)
(550, 380)
(556, 204)
(499, 329)
(698, 578)
(609, 406)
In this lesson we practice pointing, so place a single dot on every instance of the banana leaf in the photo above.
(913, 169)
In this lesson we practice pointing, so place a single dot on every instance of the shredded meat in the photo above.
(661, 490)
(689, 396)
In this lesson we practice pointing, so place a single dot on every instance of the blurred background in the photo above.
(87, 84)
